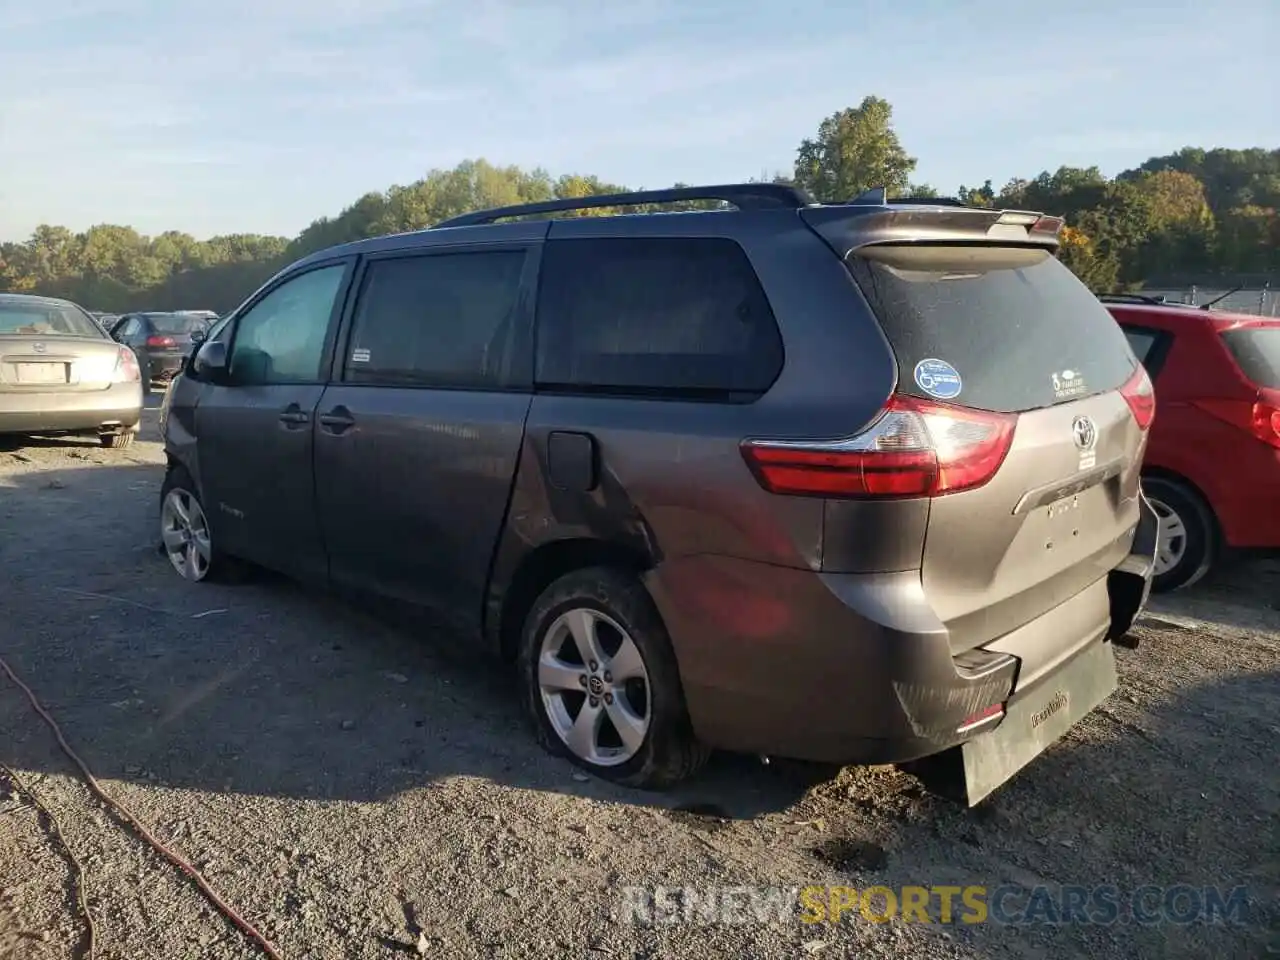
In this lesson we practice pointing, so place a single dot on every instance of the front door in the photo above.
(418, 437)
(255, 432)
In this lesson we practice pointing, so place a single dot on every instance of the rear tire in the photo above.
(613, 615)
(115, 441)
(1189, 540)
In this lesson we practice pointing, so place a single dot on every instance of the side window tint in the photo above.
(281, 338)
(1140, 342)
(678, 317)
(439, 320)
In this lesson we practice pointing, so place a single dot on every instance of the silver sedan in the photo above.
(61, 374)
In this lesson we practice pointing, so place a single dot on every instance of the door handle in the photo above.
(294, 416)
(337, 420)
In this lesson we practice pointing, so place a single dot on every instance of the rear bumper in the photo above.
(1247, 502)
(164, 365)
(117, 407)
(856, 668)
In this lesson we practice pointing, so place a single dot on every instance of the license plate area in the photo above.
(40, 372)
(1037, 720)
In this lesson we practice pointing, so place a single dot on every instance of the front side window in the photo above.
(442, 320)
(280, 339)
(663, 317)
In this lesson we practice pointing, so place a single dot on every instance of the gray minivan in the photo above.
(851, 483)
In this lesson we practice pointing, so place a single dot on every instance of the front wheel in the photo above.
(601, 683)
(184, 529)
(1188, 544)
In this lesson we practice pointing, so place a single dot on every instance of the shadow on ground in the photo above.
(262, 687)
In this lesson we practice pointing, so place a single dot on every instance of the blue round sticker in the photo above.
(938, 379)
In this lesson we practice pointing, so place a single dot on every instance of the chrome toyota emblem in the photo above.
(38, 347)
(1085, 432)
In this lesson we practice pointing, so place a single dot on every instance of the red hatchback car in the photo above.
(1212, 468)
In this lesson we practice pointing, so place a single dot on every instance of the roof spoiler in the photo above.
(847, 227)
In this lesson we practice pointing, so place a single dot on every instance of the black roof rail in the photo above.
(744, 196)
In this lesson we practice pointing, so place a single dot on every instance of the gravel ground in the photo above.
(356, 791)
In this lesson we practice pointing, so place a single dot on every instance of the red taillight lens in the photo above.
(161, 342)
(126, 367)
(1141, 397)
(1265, 418)
(917, 448)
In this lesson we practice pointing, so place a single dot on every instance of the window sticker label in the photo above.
(360, 355)
(1068, 383)
(938, 379)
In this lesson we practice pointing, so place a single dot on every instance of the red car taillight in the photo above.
(1141, 397)
(161, 342)
(916, 448)
(126, 367)
(1266, 418)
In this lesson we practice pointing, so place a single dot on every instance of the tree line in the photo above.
(1202, 214)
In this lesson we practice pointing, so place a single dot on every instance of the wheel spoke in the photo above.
(555, 674)
(582, 626)
(631, 728)
(173, 539)
(200, 540)
(585, 732)
(180, 509)
(627, 663)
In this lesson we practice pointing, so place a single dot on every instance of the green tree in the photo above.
(855, 149)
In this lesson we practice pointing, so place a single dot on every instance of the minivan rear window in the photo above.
(995, 328)
(1257, 353)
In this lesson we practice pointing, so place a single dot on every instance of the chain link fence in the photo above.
(1260, 300)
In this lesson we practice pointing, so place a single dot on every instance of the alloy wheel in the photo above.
(595, 687)
(185, 533)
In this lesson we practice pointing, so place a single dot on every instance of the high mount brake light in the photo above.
(1141, 397)
(161, 341)
(1048, 225)
(915, 448)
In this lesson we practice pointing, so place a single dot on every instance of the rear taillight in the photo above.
(161, 342)
(1141, 397)
(916, 448)
(1265, 419)
(126, 370)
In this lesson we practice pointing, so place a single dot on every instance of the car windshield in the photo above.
(176, 323)
(45, 319)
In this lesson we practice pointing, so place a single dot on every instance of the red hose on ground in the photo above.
(244, 926)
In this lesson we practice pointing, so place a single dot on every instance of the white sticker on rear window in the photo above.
(1068, 383)
(938, 379)
(360, 355)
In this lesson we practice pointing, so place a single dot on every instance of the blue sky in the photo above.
(261, 115)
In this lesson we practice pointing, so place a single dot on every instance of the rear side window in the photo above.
(669, 317)
(996, 328)
(1257, 353)
(441, 320)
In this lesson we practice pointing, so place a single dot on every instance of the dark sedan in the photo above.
(160, 340)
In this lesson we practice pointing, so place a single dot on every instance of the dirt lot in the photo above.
(357, 791)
